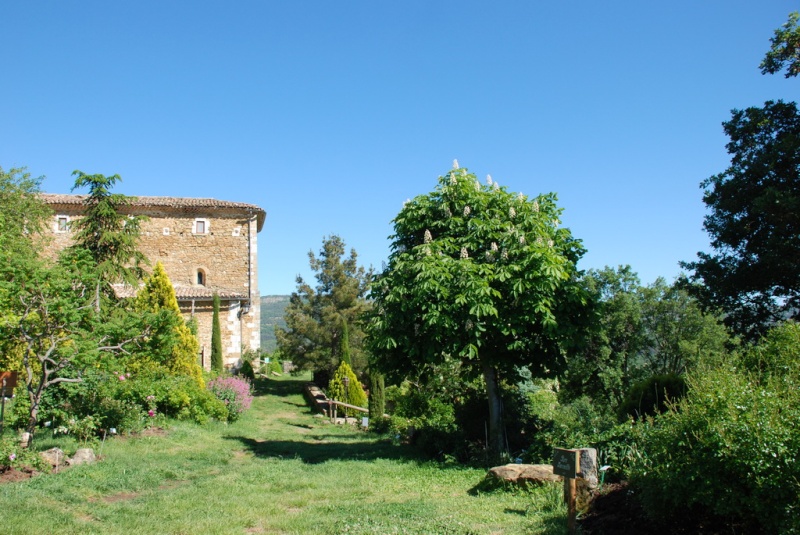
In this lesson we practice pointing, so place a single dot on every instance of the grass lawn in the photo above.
(279, 470)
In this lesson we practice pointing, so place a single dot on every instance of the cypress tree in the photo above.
(377, 397)
(345, 344)
(216, 338)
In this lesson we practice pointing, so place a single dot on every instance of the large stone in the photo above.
(82, 456)
(54, 457)
(524, 474)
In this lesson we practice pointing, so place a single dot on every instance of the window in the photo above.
(62, 223)
(201, 277)
(200, 226)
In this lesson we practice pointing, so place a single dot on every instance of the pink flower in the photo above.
(12, 456)
(121, 377)
(150, 398)
(151, 413)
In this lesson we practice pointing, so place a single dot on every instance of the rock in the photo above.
(588, 467)
(54, 457)
(524, 474)
(82, 456)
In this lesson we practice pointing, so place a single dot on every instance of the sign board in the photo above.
(566, 463)
(11, 381)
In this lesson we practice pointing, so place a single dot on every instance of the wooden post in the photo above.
(566, 463)
(2, 404)
(571, 496)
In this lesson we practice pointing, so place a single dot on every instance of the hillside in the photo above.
(272, 309)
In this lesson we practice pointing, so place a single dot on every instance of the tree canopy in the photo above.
(22, 212)
(754, 222)
(754, 219)
(480, 275)
(785, 49)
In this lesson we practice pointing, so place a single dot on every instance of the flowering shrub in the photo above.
(234, 392)
(14, 456)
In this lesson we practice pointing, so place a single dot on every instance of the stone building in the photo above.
(206, 246)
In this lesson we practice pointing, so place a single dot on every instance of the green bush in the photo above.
(123, 415)
(731, 447)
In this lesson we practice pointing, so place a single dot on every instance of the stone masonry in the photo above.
(206, 246)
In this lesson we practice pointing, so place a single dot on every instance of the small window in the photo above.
(200, 226)
(62, 223)
(201, 277)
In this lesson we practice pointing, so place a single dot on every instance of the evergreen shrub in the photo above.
(246, 371)
(349, 391)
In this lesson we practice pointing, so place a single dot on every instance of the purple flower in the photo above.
(234, 392)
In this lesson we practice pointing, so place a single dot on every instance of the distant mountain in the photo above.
(272, 311)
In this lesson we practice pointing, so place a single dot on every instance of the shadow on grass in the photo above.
(283, 387)
(315, 453)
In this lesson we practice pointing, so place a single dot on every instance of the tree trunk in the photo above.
(496, 443)
(33, 415)
(97, 298)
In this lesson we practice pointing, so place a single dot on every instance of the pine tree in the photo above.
(216, 338)
(312, 339)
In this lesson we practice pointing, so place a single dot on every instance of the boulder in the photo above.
(524, 474)
(54, 457)
(82, 456)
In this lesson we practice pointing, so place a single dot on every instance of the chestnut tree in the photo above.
(481, 275)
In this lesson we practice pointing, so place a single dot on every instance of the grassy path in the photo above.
(279, 470)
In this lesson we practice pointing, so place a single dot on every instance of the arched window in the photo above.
(201, 277)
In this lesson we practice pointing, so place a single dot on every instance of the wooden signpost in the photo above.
(566, 463)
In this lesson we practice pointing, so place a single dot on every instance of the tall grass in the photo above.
(278, 470)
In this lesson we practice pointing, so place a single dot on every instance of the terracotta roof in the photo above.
(65, 199)
(185, 293)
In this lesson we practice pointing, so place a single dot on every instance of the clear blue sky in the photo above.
(330, 114)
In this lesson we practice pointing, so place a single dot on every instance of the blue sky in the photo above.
(330, 114)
